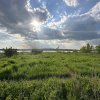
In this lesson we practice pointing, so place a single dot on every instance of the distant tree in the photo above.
(86, 49)
(83, 49)
(10, 52)
(98, 49)
(36, 51)
(75, 51)
(89, 48)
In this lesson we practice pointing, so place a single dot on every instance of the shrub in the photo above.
(36, 51)
(98, 49)
(10, 52)
(83, 49)
(75, 51)
(86, 49)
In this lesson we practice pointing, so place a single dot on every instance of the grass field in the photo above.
(50, 76)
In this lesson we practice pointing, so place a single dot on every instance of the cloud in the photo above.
(41, 14)
(4, 35)
(16, 18)
(81, 28)
(54, 25)
(72, 3)
(95, 12)
(43, 21)
(9, 40)
(63, 44)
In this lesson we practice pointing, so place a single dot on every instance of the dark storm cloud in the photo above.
(13, 11)
(48, 33)
(81, 28)
(15, 17)
(45, 34)
(82, 35)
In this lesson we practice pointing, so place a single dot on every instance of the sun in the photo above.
(36, 25)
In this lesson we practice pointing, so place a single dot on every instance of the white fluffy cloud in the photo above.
(58, 24)
(72, 3)
(95, 12)
(62, 44)
(6, 39)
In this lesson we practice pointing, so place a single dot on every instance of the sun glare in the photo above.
(36, 25)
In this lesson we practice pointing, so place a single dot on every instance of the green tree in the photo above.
(86, 49)
(10, 52)
(89, 48)
(98, 49)
(83, 49)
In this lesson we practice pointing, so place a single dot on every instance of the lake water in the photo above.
(28, 51)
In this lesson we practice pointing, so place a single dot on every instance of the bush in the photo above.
(86, 49)
(98, 49)
(36, 51)
(75, 51)
(10, 52)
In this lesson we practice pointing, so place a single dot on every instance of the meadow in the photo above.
(50, 76)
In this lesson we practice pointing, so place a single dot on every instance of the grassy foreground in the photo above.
(50, 76)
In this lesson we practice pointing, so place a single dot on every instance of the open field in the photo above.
(50, 76)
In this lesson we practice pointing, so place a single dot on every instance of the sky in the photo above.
(69, 24)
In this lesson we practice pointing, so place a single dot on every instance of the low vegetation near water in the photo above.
(50, 76)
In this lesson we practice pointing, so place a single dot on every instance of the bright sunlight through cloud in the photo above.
(36, 25)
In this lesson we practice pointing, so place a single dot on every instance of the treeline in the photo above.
(11, 51)
(89, 48)
(85, 49)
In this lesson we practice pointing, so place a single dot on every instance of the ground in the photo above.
(50, 76)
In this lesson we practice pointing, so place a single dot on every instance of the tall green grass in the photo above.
(50, 76)
(51, 89)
